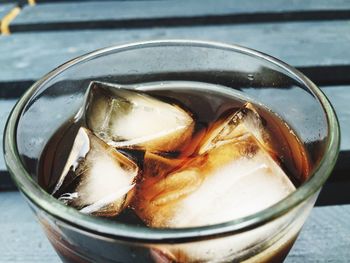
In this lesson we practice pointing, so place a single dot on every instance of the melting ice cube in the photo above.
(126, 118)
(233, 177)
(244, 122)
(96, 178)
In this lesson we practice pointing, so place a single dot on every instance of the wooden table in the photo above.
(313, 36)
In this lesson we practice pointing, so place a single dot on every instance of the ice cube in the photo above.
(129, 118)
(220, 186)
(96, 178)
(244, 122)
(232, 177)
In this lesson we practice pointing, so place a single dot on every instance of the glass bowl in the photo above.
(265, 236)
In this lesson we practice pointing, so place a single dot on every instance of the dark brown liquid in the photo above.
(207, 107)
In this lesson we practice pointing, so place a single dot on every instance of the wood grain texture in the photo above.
(124, 14)
(324, 238)
(34, 54)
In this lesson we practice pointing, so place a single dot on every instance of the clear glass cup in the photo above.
(265, 236)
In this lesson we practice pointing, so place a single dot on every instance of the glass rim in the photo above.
(142, 234)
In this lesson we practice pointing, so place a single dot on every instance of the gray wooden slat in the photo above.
(340, 98)
(319, 49)
(21, 239)
(324, 238)
(5, 9)
(5, 109)
(107, 14)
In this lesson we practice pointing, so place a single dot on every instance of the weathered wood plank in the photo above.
(123, 14)
(340, 98)
(324, 238)
(21, 239)
(5, 109)
(306, 45)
